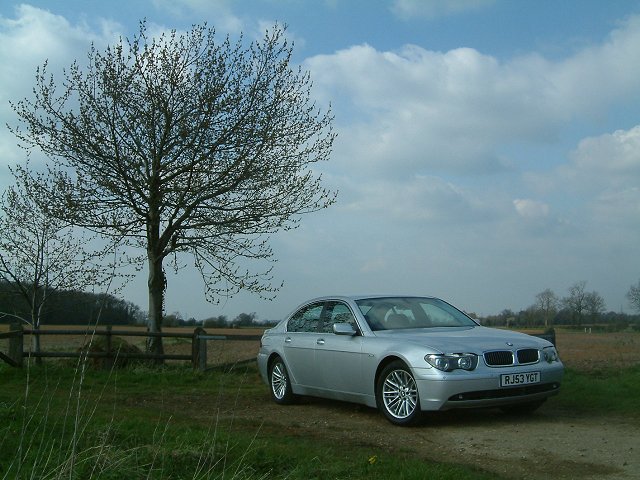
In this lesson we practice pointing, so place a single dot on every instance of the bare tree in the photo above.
(594, 305)
(40, 254)
(575, 302)
(547, 303)
(634, 296)
(581, 302)
(183, 145)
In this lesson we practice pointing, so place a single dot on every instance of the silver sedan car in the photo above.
(405, 355)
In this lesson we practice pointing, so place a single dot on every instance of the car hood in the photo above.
(464, 339)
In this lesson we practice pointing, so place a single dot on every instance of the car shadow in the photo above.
(464, 417)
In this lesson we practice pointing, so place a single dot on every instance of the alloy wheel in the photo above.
(279, 380)
(400, 394)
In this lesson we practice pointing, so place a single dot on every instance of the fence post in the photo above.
(198, 356)
(16, 343)
(109, 360)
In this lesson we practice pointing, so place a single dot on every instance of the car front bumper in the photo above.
(444, 391)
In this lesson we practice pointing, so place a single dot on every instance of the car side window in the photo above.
(338, 313)
(306, 319)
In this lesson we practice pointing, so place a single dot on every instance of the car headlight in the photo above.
(452, 361)
(550, 354)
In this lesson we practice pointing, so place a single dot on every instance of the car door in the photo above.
(339, 357)
(299, 344)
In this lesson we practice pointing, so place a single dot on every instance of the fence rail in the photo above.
(198, 356)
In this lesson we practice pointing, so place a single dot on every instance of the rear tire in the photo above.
(397, 395)
(279, 383)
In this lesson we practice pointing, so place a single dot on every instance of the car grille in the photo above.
(503, 358)
(528, 355)
(499, 358)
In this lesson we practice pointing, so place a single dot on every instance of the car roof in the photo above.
(363, 297)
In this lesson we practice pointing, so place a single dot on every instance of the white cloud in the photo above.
(421, 200)
(601, 74)
(220, 10)
(597, 188)
(599, 166)
(531, 209)
(427, 140)
(407, 9)
(607, 169)
(455, 111)
(36, 35)
(616, 153)
(619, 207)
(27, 40)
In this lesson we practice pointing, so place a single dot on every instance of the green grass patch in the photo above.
(58, 422)
(608, 390)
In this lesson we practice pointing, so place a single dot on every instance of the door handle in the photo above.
(320, 341)
(287, 340)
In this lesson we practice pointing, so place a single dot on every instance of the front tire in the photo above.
(397, 394)
(279, 383)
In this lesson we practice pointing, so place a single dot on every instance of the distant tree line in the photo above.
(243, 320)
(532, 318)
(579, 308)
(69, 307)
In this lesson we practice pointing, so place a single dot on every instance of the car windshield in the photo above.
(393, 313)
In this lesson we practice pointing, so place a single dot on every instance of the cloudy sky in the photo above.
(487, 149)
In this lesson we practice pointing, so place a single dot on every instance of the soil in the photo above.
(547, 444)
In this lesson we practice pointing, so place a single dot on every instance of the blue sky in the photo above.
(487, 150)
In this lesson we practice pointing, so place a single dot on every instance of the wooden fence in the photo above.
(198, 356)
(110, 352)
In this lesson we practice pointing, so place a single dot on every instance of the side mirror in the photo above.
(344, 329)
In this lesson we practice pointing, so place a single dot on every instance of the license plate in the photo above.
(515, 379)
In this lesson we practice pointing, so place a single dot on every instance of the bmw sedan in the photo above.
(404, 355)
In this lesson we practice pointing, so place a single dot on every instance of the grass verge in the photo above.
(62, 422)
(608, 390)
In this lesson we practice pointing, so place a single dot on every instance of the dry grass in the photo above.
(589, 351)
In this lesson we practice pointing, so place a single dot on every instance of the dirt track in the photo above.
(548, 444)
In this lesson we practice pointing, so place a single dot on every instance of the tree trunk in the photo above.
(36, 312)
(35, 345)
(156, 299)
